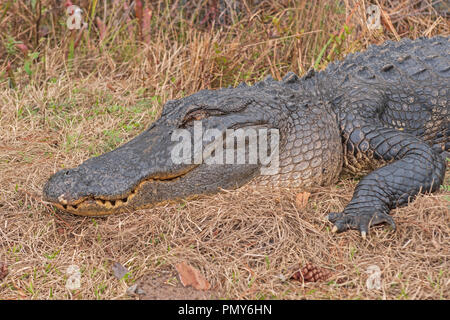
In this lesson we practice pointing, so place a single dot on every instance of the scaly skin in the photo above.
(383, 113)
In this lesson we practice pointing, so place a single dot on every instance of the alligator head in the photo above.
(156, 166)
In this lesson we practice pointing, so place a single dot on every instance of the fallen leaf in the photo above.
(22, 48)
(189, 276)
(119, 270)
(3, 270)
(301, 200)
(135, 290)
(110, 87)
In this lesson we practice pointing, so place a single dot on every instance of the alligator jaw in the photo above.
(100, 206)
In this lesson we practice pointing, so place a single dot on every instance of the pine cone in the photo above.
(311, 273)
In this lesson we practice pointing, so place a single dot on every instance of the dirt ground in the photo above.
(248, 242)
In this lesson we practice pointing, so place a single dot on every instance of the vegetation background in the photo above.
(66, 95)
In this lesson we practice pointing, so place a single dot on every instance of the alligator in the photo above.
(382, 114)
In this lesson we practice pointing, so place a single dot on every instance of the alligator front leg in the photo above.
(413, 167)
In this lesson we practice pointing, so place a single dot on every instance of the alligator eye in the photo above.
(195, 115)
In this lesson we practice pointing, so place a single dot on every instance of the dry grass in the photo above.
(246, 241)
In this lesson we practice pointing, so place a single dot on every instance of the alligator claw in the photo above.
(359, 220)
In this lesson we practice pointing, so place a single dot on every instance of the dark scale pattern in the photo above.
(312, 153)
(394, 116)
(383, 113)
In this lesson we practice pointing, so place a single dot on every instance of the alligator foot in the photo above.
(361, 220)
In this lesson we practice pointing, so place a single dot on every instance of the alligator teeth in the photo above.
(61, 199)
(111, 203)
(108, 204)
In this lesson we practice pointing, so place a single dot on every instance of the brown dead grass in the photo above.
(246, 242)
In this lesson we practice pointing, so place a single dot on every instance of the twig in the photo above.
(282, 38)
(45, 204)
(388, 21)
(38, 21)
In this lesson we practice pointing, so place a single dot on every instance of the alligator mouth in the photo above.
(113, 182)
(105, 205)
